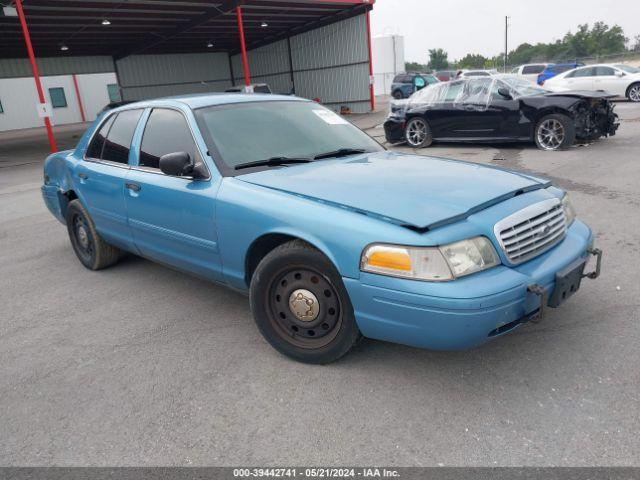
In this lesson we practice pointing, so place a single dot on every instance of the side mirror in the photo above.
(505, 93)
(619, 73)
(179, 164)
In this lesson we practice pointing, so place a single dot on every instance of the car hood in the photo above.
(415, 191)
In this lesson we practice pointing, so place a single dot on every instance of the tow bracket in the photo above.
(596, 252)
(541, 292)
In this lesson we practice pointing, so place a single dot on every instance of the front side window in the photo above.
(166, 132)
(118, 142)
(604, 71)
(581, 72)
(258, 131)
(58, 98)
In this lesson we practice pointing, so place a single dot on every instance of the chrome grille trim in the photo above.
(532, 230)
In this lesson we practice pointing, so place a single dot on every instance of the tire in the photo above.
(301, 306)
(417, 133)
(398, 95)
(633, 92)
(555, 132)
(92, 251)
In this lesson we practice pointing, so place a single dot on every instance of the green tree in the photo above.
(438, 59)
(414, 67)
(472, 60)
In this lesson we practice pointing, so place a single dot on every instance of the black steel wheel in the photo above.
(92, 251)
(398, 95)
(301, 306)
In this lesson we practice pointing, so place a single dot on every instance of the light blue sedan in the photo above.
(332, 236)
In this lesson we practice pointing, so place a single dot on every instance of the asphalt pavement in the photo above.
(142, 365)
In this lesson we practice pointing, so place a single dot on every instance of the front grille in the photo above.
(532, 230)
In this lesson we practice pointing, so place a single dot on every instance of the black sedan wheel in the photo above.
(417, 133)
(92, 251)
(301, 306)
(555, 132)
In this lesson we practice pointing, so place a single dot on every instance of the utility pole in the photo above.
(506, 32)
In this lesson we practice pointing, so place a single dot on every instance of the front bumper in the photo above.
(465, 312)
(394, 129)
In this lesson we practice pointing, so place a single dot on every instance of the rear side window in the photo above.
(398, 79)
(97, 144)
(531, 69)
(582, 72)
(118, 143)
(167, 131)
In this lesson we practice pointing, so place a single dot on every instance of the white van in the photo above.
(530, 71)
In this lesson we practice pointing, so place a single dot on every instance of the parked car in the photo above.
(445, 75)
(406, 84)
(555, 69)
(473, 73)
(253, 88)
(530, 71)
(619, 80)
(331, 236)
(502, 108)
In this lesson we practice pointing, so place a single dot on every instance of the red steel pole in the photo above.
(36, 74)
(243, 47)
(371, 95)
(75, 85)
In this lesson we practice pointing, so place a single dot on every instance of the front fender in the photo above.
(245, 212)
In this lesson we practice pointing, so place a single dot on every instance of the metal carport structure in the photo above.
(314, 48)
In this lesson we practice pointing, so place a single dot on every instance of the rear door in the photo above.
(100, 177)
(446, 115)
(580, 79)
(172, 218)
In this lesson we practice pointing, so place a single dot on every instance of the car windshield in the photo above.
(522, 87)
(628, 68)
(256, 131)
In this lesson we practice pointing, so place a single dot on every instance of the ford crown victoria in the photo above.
(332, 236)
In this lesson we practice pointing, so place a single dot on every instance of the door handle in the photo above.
(83, 176)
(133, 186)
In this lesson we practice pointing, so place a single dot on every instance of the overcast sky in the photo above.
(477, 26)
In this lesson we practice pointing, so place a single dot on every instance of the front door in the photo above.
(172, 218)
(100, 177)
(610, 80)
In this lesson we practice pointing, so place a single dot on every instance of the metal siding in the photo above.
(20, 67)
(330, 63)
(268, 64)
(156, 70)
(336, 44)
(155, 91)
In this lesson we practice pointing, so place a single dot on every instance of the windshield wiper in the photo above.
(343, 152)
(273, 162)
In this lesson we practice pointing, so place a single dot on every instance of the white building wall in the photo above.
(19, 98)
(388, 61)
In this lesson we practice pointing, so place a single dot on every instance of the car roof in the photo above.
(201, 100)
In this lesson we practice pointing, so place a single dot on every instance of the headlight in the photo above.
(434, 264)
(569, 211)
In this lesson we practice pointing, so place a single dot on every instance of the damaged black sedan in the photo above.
(500, 109)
